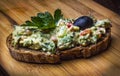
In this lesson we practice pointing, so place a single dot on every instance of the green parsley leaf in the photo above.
(57, 15)
(45, 21)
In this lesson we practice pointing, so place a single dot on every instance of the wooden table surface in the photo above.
(17, 11)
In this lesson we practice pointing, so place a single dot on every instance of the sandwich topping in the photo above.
(49, 34)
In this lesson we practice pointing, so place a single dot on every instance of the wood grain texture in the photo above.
(17, 11)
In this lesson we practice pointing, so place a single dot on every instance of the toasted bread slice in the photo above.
(28, 55)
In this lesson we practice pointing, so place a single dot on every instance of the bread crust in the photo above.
(88, 51)
(28, 55)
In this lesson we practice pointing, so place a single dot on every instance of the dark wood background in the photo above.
(113, 5)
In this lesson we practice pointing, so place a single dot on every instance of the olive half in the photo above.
(83, 22)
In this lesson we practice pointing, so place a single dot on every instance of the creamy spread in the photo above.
(64, 36)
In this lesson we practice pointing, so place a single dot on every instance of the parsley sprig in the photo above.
(45, 21)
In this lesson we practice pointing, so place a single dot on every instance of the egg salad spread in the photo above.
(64, 36)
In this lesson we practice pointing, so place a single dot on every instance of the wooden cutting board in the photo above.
(13, 12)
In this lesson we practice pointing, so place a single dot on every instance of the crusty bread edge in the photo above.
(27, 55)
(88, 51)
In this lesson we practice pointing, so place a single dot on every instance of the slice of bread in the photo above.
(28, 55)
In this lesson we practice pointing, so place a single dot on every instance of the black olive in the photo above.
(83, 22)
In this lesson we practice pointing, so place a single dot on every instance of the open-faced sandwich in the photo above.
(50, 39)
